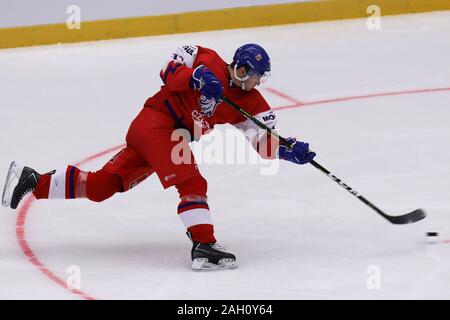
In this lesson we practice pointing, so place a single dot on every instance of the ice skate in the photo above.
(20, 181)
(209, 256)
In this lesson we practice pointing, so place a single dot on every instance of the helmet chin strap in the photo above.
(242, 80)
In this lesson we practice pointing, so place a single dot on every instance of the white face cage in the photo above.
(263, 77)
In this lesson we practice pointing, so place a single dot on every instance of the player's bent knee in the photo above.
(102, 185)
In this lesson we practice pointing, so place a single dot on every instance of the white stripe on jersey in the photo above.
(184, 55)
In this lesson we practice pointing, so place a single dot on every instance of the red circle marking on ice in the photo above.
(23, 211)
(20, 234)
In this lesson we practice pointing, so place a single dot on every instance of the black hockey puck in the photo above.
(432, 234)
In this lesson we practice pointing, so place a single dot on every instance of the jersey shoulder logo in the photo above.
(191, 50)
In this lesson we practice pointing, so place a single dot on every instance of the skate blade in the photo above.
(12, 179)
(204, 264)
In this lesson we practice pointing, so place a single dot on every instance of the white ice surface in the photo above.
(296, 234)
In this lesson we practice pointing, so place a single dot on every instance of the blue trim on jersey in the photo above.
(71, 183)
(172, 112)
(192, 203)
(178, 121)
(171, 69)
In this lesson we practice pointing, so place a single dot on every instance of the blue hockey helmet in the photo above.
(254, 58)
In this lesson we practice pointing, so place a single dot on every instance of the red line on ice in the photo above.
(23, 211)
(367, 96)
(284, 95)
(20, 234)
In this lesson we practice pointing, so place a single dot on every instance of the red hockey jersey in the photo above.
(181, 102)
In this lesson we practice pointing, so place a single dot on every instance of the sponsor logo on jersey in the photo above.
(170, 176)
(189, 50)
(197, 117)
(269, 117)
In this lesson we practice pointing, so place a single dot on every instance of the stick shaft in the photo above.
(312, 162)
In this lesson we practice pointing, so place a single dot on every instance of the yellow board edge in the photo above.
(232, 18)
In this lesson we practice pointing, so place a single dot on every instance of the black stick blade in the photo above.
(410, 217)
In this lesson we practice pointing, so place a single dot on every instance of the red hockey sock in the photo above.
(66, 183)
(42, 187)
(202, 233)
(193, 209)
(72, 183)
(194, 213)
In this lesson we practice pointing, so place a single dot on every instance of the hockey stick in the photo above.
(410, 217)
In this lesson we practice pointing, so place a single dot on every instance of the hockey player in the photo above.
(195, 81)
